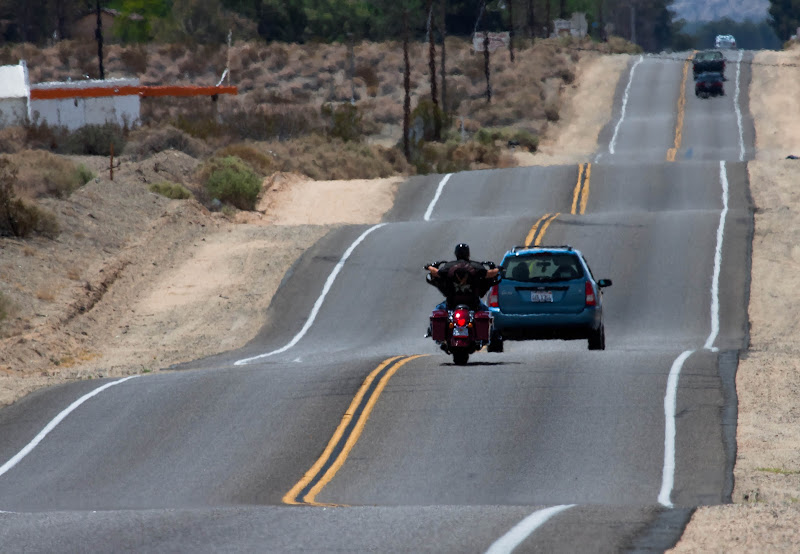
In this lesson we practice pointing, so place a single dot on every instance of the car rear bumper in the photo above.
(547, 326)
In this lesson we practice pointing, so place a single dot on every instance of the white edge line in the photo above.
(624, 106)
(723, 179)
(736, 105)
(318, 304)
(58, 419)
(523, 529)
(436, 196)
(670, 402)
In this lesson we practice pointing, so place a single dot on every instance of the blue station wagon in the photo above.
(547, 292)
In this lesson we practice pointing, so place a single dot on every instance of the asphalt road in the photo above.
(340, 428)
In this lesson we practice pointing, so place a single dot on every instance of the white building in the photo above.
(73, 104)
(14, 92)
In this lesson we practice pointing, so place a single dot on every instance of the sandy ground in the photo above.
(765, 516)
(179, 282)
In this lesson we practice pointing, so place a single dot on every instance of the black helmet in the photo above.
(462, 251)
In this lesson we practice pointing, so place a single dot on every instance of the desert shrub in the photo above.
(320, 157)
(12, 139)
(268, 123)
(230, 180)
(6, 308)
(135, 59)
(17, 217)
(260, 162)
(487, 136)
(41, 173)
(171, 190)
(145, 142)
(84, 174)
(551, 111)
(344, 121)
(94, 140)
(425, 114)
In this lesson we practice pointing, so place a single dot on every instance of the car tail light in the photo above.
(461, 317)
(493, 300)
(591, 299)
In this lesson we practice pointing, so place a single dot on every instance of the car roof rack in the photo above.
(542, 247)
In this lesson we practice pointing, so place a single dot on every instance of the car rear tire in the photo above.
(597, 339)
(495, 343)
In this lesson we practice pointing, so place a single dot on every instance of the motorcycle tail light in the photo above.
(493, 297)
(461, 317)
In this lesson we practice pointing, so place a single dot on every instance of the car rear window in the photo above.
(543, 266)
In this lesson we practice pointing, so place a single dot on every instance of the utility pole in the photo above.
(98, 34)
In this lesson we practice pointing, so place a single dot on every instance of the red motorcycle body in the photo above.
(461, 332)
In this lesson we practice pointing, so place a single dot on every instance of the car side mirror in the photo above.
(602, 283)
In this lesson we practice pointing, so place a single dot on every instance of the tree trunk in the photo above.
(531, 18)
(98, 34)
(511, 30)
(547, 18)
(486, 66)
(443, 24)
(407, 87)
(437, 120)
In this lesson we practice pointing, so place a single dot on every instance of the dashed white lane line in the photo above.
(52, 425)
(318, 304)
(436, 196)
(670, 403)
(723, 179)
(523, 529)
(625, 97)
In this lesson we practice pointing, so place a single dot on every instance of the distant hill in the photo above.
(711, 10)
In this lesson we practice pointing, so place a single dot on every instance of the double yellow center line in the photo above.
(672, 152)
(580, 197)
(346, 434)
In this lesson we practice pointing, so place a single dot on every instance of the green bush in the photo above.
(83, 174)
(230, 180)
(94, 140)
(344, 121)
(487, 136)
(174, 191)
(426, 113)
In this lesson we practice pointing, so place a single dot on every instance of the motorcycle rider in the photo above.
(462, 281)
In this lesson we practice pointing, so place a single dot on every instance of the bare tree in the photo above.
(511, 30)
(443, 23)
(531, 18)
(98, 34)
(406, 87)
(437, 119)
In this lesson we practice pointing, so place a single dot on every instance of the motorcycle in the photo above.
(461, 331)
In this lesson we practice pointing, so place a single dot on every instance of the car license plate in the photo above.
(541, 296)
(460, 332)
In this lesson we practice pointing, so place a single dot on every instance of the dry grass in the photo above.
(45, 294)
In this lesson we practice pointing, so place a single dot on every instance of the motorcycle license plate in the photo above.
(541, 296)
(460, 332)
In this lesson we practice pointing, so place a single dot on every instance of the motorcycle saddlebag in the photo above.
(482, 322)
(439, 321)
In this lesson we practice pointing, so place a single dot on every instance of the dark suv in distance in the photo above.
(547, 292)
(709, 84)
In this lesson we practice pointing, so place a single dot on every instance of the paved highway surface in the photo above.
(340, 428)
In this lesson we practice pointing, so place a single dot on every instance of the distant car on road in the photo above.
(547, 292)
(709, 84)
(708, 61)
(725, 41)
